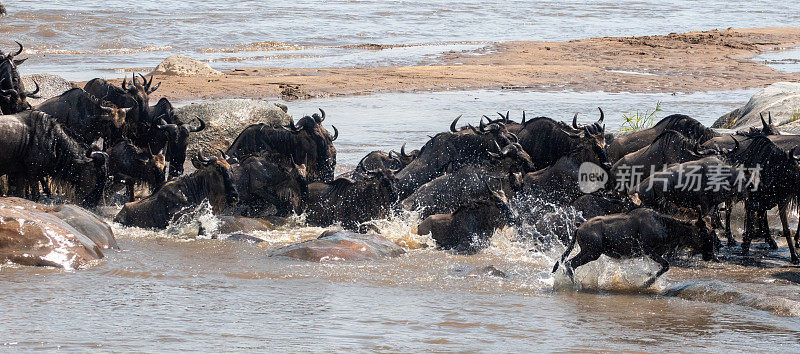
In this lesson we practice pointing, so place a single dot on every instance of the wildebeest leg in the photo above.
(129, 190)
(762, 218)
(728, 233)
(716, 223)
(664, 268)
(580, 259)
(782, 210)
(749, 225)
(45, 187)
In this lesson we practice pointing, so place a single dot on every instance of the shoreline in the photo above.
(689, 62)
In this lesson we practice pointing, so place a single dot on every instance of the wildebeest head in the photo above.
(591, 140)
(140, 91)
(325, 150)
(768, 128)
(12, 91)
(405, 158)
(521, 161)
(177, 141)
(387, 181)
(217, 182)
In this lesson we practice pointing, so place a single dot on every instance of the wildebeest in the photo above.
(640, 232)
(352, 202)
(547, 140)
(35, 146)
(469, 228)
(212, 181)
(378, 159)
(667, 148)
(599, 204)
(307, 142)
(269, 180)
(129, 164)
(447, 152)
(140, 121)
(12, 91)
(687, 126)
(85, 117)
(779, 179)
(176, 141)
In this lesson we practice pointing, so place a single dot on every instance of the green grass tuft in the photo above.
(638, 120)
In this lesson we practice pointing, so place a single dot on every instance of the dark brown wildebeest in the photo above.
(12, 92)
(307, 142)
(469, 228)
(269, 180)
(34, 146)
(640, 232)
(174, 142)
(352, 203)
(547, 140)
(128, 164)
(212, 181)
(85, 117)
(687, 126)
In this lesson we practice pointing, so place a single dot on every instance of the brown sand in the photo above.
(695, 61)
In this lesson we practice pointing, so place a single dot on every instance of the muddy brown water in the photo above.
(169, 290)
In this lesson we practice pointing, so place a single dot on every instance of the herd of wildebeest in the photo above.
(104, 138)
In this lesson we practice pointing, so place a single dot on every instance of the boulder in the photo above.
(49, 86)
(242, 225)
(181, 65)
(488, 271)
(225, 119)
(781, 100)
(342, 245)
(36, 235)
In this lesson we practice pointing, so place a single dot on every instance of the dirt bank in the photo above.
(695, 61)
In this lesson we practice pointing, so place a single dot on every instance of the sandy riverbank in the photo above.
(689, 62)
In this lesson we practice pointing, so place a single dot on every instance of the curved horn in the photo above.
(125, 83)
(575, 121)
(203, 159)
(602, 116)
(523, 117)
(453, 125)
(736, 144)
(481, 126)
(496, 155)
(770, 117)
(199, 128)
(19, 51)
(154, 88)
(34, 92)
(228, 158)
(335, 133)
(292, 127)
(107, 110)
(403, 151)
(792, 155)
(513, 137)
(144, 79)
(321, 118)
(98, 156)
(763, 122)
(508, 113)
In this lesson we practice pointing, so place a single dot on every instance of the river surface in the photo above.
(172, 290)
(84, 39)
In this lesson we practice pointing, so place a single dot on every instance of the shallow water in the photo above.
(169, 290)
(84, 39)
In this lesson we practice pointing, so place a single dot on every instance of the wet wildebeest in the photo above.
(176, 141)
(599, 204)
(469, 228)
(446, 153)
(558, 183)
(307, 142)
(740, 139)
(378, 159)
(640, 232)
(779, 181)
(12, 91)
(687, 126)
(134, 95)
(85, 117)
(212, 181)
(34, 146)
(667, 148)
(269, 180)
(352, 203)
(129, 164)
(547, 140)
(447, 192)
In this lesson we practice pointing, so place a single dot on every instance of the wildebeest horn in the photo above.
(98, 156)
(523, 117)
(144, 80)
(704, 152)
(575, 121)
(228, 158)
(205, 160)
(770, 117)
(763, 122)
(335, 133)
(292, 127)
(453, 125)
(319, 118)
(513, 137)
(34, 92)
(199, 128)
(508, 113)
(482, 126)
(496, 155)
(403, 151)
(135, 79)
(125, 83)
(736, 144)
(602, 116)
(108, 110)
(19, 51)
(154, 88)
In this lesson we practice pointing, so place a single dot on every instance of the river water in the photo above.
(171, 290)
(84, 39)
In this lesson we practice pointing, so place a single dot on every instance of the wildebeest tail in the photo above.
(568, 251)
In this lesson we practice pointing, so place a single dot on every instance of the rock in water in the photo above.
(225, 119)
(181, 65)
(34, 234)
(242, 225)
(487, 271)
(781, 99)
(86, 223)
(342, 245)
(49, 86)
